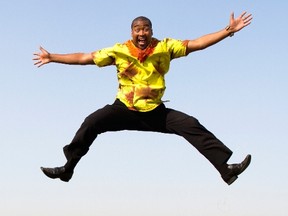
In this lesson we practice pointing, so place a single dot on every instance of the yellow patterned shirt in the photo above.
(141, 72)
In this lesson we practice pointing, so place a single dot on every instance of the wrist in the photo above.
(229, 31)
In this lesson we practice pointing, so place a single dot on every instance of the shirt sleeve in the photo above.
(104, 57)
(177, 48)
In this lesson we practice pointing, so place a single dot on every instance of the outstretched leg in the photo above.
(113, 117)
(206, 143)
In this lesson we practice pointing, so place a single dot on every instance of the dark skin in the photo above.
(142, 33)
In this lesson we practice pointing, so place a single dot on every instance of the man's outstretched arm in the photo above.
(234, 26)
(44, 57)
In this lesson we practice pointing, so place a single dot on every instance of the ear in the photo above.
(151, 32)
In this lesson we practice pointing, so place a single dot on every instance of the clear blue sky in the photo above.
(237, 89)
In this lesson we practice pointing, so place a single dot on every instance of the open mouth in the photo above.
(142, 42)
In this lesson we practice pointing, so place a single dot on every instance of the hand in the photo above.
(242, 21)
(41, 58)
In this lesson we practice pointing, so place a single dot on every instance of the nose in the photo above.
(141, 32)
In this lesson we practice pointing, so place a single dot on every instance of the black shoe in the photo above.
(236, 169)
(58, 172)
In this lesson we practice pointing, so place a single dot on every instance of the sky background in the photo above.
(237, 89)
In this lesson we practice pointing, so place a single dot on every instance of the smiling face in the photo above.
(141, 32)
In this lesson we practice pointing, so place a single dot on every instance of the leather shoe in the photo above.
(58, 172)
(236, 169)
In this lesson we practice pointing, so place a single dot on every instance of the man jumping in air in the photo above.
(142, 63)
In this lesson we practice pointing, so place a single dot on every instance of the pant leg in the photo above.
(197, 135)
(115, 117)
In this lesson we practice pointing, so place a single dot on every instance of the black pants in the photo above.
(117, 117)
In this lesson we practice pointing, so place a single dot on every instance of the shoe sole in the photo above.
(231, 180)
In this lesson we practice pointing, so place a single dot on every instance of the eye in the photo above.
(147, 29)
(137, 30)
